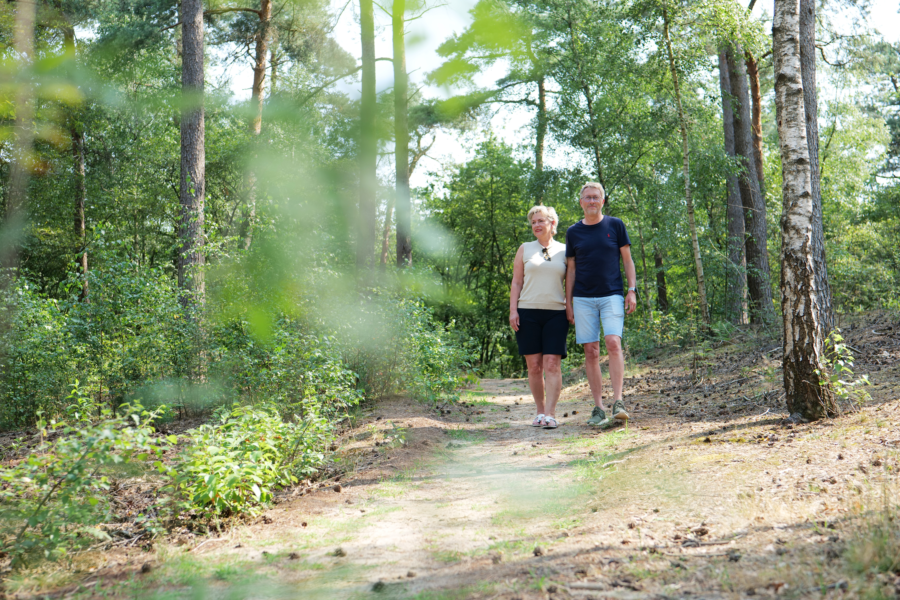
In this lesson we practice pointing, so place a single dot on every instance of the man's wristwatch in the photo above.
(632, 289)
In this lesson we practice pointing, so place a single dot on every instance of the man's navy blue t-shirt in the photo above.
(596, 252)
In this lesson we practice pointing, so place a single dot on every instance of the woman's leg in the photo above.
(552, 382)
(536, 379)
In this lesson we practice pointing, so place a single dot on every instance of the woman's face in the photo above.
(541, 225)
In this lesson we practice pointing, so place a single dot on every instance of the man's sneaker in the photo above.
(618, 411)
(598, 417)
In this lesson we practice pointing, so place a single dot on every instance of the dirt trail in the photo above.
(707, 493)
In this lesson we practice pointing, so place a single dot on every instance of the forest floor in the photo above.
(709, 492)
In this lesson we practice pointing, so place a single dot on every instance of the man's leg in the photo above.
(535, 364)
(593, 372)
(552, 382)
(616, 364)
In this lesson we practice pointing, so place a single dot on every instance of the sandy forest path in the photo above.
(708, 492)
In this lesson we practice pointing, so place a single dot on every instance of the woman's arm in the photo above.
(516, 289)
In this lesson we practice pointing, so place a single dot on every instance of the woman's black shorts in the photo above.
(542, 331)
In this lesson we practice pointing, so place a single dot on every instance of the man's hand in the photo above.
(630, 302)
(570, 315)
(514, 320)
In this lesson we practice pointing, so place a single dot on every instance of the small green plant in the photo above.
(233, 465)
(839, 373)
(54, 500)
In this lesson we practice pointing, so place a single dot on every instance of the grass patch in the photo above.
(464, 435)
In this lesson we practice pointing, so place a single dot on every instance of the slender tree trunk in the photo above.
(401, 138)
(804, 337)
(756, 97)
(810, 103)
(256, 102)
(736, 282)
(386, 232)
(77, 135)
(640, 229)
(662, 290)
(589, 100)
(193, 157)
(23, 141)
(368, 143)
(541, 126)
(686, 168)
(758, 278)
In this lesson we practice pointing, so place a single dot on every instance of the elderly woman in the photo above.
(537, 312)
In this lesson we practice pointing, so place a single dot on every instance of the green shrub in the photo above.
(234, 464)
(52, 501)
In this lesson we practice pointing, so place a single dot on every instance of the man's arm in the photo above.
(631, 277)
(570, 287)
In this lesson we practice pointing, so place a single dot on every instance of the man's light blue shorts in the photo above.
(589, 312)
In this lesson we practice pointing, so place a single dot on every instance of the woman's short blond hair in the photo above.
(548, 212)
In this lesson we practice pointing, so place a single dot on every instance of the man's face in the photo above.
(592, 202)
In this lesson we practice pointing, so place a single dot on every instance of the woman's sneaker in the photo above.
(598, 417)
(618, 411)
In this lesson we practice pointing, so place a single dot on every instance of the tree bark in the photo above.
(193, 157)
(368, 143)
(256, 102)
(736, 280)
(23, 141)
(806, 390)
(758, 277)
(401, 138)
(541, 126)
(662, 290)
(808, 74)
(756, 97)
(686, 169)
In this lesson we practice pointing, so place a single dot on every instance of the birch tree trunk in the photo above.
(736, 279)
(401, 138)
(804, 337)
(368, 144)
(193, 157)
(686, 168)
(810, 103)
(759, 281)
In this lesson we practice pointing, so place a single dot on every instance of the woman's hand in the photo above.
(570, 314)
(514, 320)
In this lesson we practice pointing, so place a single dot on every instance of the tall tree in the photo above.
(805, 386)
(192, 186)
(401, 136)
(686, 170)
(368, 142)
(810, 103)
(22, 159)
(736, 284)
(758, 277)
(756, 118)
(260, 58)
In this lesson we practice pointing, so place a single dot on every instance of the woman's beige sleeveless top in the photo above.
(544, 286)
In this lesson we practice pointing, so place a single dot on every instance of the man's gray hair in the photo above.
(593, 184)
(548, 212)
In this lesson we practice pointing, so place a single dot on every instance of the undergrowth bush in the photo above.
(52, 500)
(233, 464)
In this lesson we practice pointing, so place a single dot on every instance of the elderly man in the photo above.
(595, 295)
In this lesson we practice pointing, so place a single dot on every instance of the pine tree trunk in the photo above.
(758, 278)
(541, 127)
(256, 102)
(23, 141)
(193, 157)
(368, 143)
(736, 282)
(808, 73)
(80, 195)
(803, 332)
(662, 290)
(686, 169)
(401, 137)
(756, 97)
